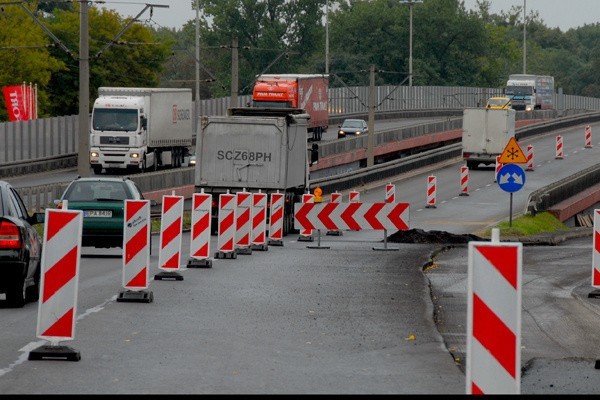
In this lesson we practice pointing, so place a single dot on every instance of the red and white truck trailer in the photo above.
(304, 91)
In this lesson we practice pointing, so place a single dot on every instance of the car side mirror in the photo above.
(37, 218)
(314, 154)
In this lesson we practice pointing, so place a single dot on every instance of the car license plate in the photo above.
(97, 213)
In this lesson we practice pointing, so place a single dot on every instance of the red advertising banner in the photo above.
(21, 102)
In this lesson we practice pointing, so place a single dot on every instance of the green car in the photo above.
(102, 201)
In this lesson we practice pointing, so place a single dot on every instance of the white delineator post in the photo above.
(559, 147)
(200, 231)
(596, 256)
(464, 181)
(588, 137)
(431, 189)
(529, 156)
(226, 229)
(59, 280)
(494, 317)
(276, 219)
(259, 222)
(390, 193)
(136, 252)
(497, 168)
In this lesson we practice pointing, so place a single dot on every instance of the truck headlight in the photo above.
(134, 155)
(528, 108)
(93, 154)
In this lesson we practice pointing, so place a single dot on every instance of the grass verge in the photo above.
(527, 225)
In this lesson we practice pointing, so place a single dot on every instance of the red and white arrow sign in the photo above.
(351, 216)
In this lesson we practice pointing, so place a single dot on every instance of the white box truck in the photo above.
(485, 134)
(254, 149)
(140, 129)
(530, 92)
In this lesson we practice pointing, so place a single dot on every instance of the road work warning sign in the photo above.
(512, 154)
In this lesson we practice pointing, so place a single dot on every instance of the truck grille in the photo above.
(118, 140)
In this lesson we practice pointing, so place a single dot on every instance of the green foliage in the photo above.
(529, 225)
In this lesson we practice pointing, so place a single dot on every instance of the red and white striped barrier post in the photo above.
(243, 202)
(464, 181)
(276, 219)
(596, 256)
(494, 317)
(497, 168)
(336, 198)
(226, 229)
(200, 232)
(431, 189)
(588, 137)
(171, 230)
(354, 197)
(136, 252)
(559, 147)
(306, 234)
(390, 193)
(259, 222)
(529, 156)
(59, 279)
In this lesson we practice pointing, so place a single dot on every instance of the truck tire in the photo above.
(472, 164)
(97, 169)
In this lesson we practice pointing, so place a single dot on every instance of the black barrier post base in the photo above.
(195, 263)
(50, 352)
(595, 294)
(260, 247)
(318, 246)
(334, 233)
(228, 254)
(168, 276)
(385, 248)
(430, 206)
(305, 238)
(244, 250)
(463, 194)
(273, 242)
(132, 296)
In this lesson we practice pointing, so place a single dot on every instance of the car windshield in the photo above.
(94, 191)
(352, 124)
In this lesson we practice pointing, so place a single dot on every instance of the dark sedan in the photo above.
(20, 249)
(352, 127)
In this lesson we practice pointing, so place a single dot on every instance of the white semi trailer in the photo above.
(140, 129)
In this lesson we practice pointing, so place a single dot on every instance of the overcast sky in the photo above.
(563, 14)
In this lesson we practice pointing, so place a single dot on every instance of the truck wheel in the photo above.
(97, 169)
(472, 164)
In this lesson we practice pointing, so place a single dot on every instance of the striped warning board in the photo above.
(276, 219)
(259, 221)
(226, 229)
(171, 228)
(243, 222)
(494, 318)
(136, 244)
(200, 230)
(59, 278)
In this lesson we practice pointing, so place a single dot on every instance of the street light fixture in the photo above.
(410, 4)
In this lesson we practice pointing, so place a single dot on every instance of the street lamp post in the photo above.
(524, 36)
(410, 4)
(196, 5)
(327, 37)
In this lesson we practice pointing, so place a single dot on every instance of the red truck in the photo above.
(305, 91)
